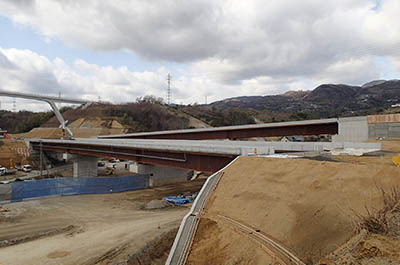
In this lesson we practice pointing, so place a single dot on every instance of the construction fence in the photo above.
(72, 186)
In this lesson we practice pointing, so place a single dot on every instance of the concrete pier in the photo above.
(85, 166)
(160, 175)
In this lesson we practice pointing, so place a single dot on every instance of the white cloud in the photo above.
(231, 48)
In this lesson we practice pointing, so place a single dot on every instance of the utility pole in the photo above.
(41, 158)
(206, 100)
(169, 89)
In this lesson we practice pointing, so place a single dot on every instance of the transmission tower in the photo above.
(169, 89)
(14, 105)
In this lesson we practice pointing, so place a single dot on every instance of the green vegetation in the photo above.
(36, 120)
(220, 117)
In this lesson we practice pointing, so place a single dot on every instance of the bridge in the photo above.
(51, 100)
(206, 155)
(309, 127)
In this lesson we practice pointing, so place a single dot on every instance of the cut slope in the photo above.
(17, 151)
(306, 205)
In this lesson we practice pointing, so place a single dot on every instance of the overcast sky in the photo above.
(118, 50)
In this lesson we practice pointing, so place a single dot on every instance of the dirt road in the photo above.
(90, 229)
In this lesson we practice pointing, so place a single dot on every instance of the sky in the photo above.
(119, 50)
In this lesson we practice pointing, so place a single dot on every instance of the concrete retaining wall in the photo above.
(387, 130)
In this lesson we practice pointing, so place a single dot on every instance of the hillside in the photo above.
(327, 100)
(150, 114)
(10, 120)
(146, 114)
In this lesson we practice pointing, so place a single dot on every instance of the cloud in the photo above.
(33, 73)
(230, 48)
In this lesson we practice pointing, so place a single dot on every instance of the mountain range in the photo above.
(327, 100)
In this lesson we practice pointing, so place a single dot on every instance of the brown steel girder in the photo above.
(206, 162)
(289, 130)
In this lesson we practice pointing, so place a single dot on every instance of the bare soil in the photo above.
(86, 229)
(156, 251)
(16, 150)
(306, 205)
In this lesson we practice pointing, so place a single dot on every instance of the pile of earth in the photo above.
(308, 206)
(157, 204)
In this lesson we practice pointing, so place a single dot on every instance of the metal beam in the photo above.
(42, 98)
(206, 162)
(51, 100)
(310, 127)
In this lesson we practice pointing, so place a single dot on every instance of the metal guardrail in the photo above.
(180, 249)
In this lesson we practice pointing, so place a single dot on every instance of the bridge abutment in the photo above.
(160, 175)
(352, 129)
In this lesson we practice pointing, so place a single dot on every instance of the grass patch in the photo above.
(380, 221)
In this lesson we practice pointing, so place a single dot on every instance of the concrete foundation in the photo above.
(85, 166)
(160, 175)
(352, 129)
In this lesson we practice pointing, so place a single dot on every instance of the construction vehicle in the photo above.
(396, 160)
(109, 171)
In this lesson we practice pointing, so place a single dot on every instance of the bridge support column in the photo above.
(85, 166)
(160, 175)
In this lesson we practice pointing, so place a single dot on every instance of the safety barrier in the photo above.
(5, 192)
(74, 186)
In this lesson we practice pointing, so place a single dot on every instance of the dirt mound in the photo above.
(155, 252)
(216, 243)
(157, 204)
(96, 123)
(56, 133)
(306, 205)
(366, 249)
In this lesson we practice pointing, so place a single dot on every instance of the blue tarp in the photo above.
(176, 200)
(73, 186)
